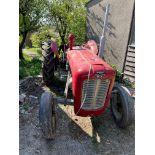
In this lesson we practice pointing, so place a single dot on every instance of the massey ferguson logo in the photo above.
(99, 74)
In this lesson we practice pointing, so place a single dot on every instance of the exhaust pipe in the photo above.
(71, 38)
(102, 39)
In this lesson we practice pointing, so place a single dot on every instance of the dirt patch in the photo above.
(75, 135)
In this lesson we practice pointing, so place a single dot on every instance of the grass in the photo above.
(34, 50)
(29, 67)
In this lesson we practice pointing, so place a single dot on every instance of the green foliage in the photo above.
(69, 16)
(25, 106)
(30, 14)
(29, 67)
(77, 24)
(128, 83)
(44, 34)
(20, 39)
(118, 77)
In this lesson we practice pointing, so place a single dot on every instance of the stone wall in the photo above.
(117, 36)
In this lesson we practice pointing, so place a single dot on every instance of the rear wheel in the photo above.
(47, 115)
(122, 106)
(48, 66)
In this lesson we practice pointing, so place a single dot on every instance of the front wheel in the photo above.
(122, 106)
(47, 116)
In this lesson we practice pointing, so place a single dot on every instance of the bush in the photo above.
(29, 67)
(119, 78)
(44, 34)
(118, 73)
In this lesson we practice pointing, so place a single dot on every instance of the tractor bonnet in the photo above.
(92, 81)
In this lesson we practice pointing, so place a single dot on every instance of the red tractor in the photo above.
(93, 86)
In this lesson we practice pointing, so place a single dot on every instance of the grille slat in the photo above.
(94, 94)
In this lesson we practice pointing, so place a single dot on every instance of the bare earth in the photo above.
(75, 135)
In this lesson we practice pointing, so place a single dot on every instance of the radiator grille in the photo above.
(94, 93)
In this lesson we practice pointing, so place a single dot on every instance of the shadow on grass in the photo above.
(35, 50)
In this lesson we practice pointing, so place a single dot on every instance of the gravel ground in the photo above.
(75, 135)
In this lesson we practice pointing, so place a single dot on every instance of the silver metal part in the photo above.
(99, 74)
(102, 39)
(67, 66)
(63, 100)
(95, 97)
(68, 84)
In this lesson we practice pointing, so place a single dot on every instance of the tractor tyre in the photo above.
(47, 115)
(122, 106)
(48, 66)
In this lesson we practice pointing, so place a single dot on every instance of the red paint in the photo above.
(71, 38)
(54, 48)
(80, 61)
(91, 44)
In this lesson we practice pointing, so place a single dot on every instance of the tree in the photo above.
(30, 14)
(43, 34)
(68, 16)
(77, 24)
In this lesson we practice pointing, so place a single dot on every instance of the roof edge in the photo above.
(88, 2)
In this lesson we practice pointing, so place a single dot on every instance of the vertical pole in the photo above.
(71, 38)
(102, 39)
